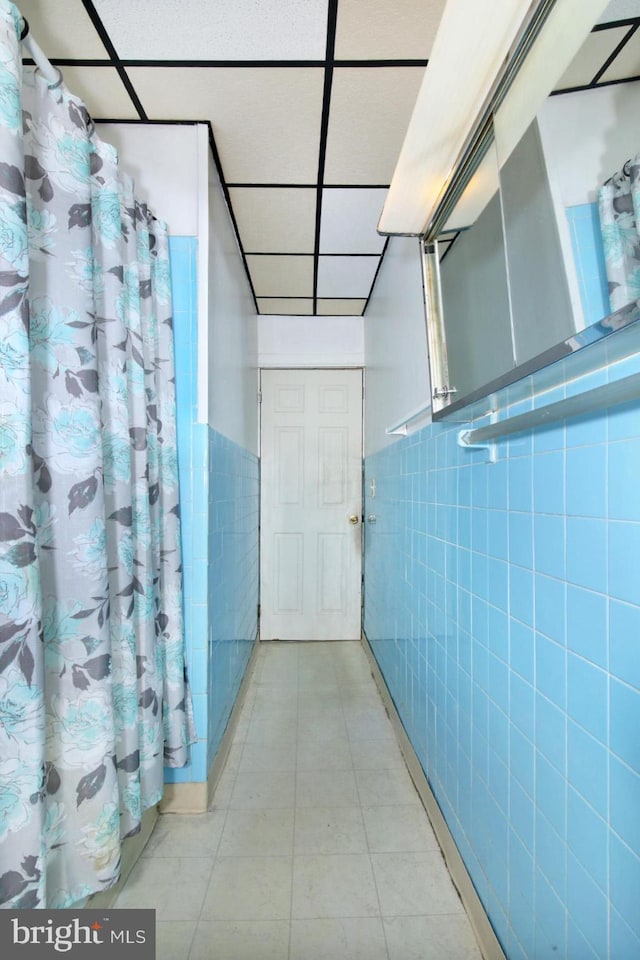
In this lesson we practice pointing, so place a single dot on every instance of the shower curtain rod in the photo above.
(48, 71)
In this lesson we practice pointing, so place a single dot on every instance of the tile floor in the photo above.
(317, 846)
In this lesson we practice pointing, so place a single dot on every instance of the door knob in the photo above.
(372, 518)
(353, 518)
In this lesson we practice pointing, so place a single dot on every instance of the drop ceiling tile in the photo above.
(619, 10)
(63, 29)
(102, 91)
(340, 308)
(349, 219)
(346, 276)
(627, 63)
(275, 220)
(281, 276)
(369, 116)
(202, 30)
(285, 308)
(387, 29)
(266, 121)
(591, 57)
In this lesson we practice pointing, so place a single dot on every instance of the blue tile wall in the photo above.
(502, 602)
(219, 512)
(588, 254)
(232, 576)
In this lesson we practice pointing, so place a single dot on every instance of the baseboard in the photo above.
(485, 935)
(194, 797)
(132, 847)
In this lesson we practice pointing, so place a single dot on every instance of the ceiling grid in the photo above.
(307, 106)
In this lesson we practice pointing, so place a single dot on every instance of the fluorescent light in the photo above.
(471, 45)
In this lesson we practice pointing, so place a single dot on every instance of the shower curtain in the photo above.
(93, 694)
(619, 207)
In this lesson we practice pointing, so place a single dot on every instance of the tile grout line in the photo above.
(215, 856)
(366, 836)
(295, 791)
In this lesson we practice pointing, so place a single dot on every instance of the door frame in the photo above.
(304, 368)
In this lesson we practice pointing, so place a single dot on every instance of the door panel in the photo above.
(311, 467)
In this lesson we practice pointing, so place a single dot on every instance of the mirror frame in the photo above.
(447, 399)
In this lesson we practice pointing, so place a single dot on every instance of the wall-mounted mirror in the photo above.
(538, 254)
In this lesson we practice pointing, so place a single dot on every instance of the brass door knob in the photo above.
(353, 518)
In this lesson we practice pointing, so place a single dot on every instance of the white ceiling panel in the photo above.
(281, 276)
(275, 220)
(102, 91)
(202, 30)
(340, 308)
(346, 276)
(387, 29)
(370, 112)
(285, 308)
(592, 55)
(627, 63)
(620, 10)
(266, 121)
(63, 29)
(349, 219)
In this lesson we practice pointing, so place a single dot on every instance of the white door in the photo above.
(311, 504)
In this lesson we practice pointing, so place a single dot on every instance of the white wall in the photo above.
(397, 375)
(163, 161)
(232, 332)
(310, 341)
(175, 174)
(587, 136)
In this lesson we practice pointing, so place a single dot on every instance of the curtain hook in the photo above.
(25, 29)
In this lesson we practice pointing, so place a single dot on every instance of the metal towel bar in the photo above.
(598, 398)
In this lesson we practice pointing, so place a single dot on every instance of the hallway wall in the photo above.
(502, 602)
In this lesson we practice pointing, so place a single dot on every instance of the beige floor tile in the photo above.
(377, 787)
(341, 939)
(259, 833)
(249, 888)
(365, 693)
(376, 755)
(241, 940)
(224, 789)
(235, 753)
(315, 817)
(320, 695)
(431, 938)
(263, 790)
(324, 754)
(330, 728)
(174, 887)
(364, 712)
(333, 886)
(278, 729)
(320, 712)
(268, 756)
(326, 788)
(178, 835)
(370, 725)
(397, 829)
(174, 939)
(285, 698)
(278, 672)
(317, 673)
(414, 884)
(329, 830)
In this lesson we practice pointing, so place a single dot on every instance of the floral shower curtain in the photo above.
(93, 695)
(619, 207)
